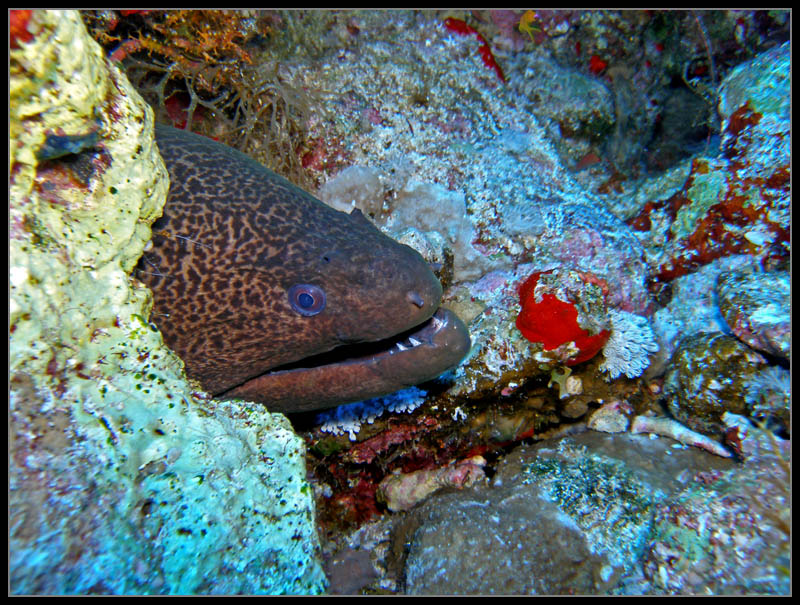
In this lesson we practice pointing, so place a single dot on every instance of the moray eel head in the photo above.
(267, 293)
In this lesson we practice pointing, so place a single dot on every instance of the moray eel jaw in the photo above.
(250, 273)
(416, 356)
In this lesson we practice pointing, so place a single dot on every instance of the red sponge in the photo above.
(554, 322)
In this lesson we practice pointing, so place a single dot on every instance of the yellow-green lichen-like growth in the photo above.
(122, 478)
(707, 189)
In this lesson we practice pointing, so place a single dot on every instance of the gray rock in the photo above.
(757, 308)
(561, 518)
(506, 541)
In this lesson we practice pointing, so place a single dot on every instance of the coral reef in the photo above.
(650, 149)
(727, 533)
(525, 210)
(122, 477)
(549, 190)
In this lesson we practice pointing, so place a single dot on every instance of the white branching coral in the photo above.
(627, 350)
(349, 417)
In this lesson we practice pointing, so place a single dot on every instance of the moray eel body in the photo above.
(268, 294)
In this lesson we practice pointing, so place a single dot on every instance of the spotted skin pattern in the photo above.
(235, 237)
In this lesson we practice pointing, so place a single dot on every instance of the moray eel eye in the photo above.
(306, 299)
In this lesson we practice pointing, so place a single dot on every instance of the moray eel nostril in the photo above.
(415, 299)
(257, 283)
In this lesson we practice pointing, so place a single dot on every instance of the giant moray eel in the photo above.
(264, 291)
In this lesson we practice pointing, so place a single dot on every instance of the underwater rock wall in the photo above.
(529, 209)
(123, 478)
(436, 142)
(738, 202)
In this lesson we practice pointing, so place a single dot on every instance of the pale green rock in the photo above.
(764, 82)
(706, 191)
(123, 477)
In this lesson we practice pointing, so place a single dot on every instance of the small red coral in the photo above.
(554, 322)
(597, 65)
(463, 29)
(18, 27)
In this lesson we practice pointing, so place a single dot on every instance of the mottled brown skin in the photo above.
(234, 238)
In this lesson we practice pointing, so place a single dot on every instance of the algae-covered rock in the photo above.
(558, 519)
(709, 376)
(769, 397)
(580, 105)
(693, 306)
(122, 477)
(404, 491)
(506, 541)
(737, 202)
(601, 495)
(728, 532)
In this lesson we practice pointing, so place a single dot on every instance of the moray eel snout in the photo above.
(268, 294)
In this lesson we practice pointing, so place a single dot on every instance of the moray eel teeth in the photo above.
(268, 294)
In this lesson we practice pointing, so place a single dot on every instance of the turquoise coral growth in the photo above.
(602, 496)
(122, 478)
(348, 418)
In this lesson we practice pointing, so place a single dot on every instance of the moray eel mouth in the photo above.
(363, 370)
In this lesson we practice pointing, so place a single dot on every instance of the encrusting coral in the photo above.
(122, 477)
